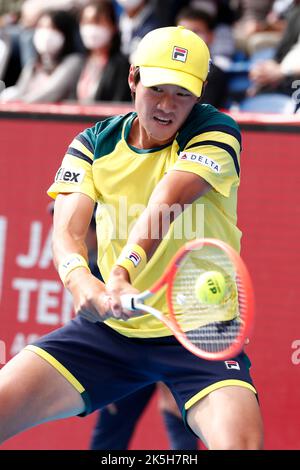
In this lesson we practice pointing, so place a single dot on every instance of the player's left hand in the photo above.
(118, 284)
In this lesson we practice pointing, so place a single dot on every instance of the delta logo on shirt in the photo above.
(201, 159)
(134, 257)
(232, 365)
(179, 54)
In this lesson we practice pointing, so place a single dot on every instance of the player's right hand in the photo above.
(117, 285)
(89, 295)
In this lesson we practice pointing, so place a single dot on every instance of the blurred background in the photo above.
(79, 51)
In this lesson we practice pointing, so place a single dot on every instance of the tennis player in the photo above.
(171, 153)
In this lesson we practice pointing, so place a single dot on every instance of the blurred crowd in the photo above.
(80, 50)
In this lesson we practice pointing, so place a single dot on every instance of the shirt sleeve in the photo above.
(75, 174)
(215, 156)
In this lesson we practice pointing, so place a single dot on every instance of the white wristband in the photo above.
(69, 263)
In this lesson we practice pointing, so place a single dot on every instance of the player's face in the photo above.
(161, 112)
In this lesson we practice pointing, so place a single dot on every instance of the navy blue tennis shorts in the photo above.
(105, 366)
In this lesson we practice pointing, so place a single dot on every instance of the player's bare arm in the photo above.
(69, 233)
(176, 187)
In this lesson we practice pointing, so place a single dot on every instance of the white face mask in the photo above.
(48, 41)
(130, 4)
(94, 36)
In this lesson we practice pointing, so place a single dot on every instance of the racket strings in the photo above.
(210, 327)
(215, 337)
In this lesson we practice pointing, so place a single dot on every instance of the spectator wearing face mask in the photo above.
(54, 73)
(136, 20)
(104, 74)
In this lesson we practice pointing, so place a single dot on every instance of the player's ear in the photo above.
(131, 81)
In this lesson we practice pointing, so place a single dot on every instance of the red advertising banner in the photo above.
(269, 215)
(33, 301)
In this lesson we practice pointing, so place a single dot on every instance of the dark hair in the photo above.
(106, 8)
(136, 75)
(136, 80)
(102, 7)
(191, 13)
(66, 23)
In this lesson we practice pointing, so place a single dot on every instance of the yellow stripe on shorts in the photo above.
(216, 386)
(57, 365)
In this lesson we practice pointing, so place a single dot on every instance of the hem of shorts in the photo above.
(65, 373)
(203, 393)
(135, 333)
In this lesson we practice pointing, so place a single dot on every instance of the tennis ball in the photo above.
(210, 287)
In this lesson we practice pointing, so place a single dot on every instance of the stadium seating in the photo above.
(268, 103)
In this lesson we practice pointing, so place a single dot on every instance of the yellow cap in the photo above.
(173, 56)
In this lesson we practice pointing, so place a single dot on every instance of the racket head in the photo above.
(211, 331)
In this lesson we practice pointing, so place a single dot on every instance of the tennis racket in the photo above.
(215, 331)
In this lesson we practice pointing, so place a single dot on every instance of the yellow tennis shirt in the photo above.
(120, 179)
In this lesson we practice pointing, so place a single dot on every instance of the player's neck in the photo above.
(141, 139)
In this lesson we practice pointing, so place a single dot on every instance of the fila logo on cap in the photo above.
(179, 54)
(232, 365)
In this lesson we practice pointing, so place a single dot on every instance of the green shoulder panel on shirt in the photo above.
(105, 135)
(206, 118)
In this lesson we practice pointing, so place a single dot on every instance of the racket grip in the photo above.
(128, 301)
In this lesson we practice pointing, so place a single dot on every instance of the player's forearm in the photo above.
(65, 243)
(66, 248)
(146, 235)
(72, 215)
(176, 191)
(143, 241)
(152, 226)
(79, 280)
(171, 196)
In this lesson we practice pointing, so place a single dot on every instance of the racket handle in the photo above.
(128, 301)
